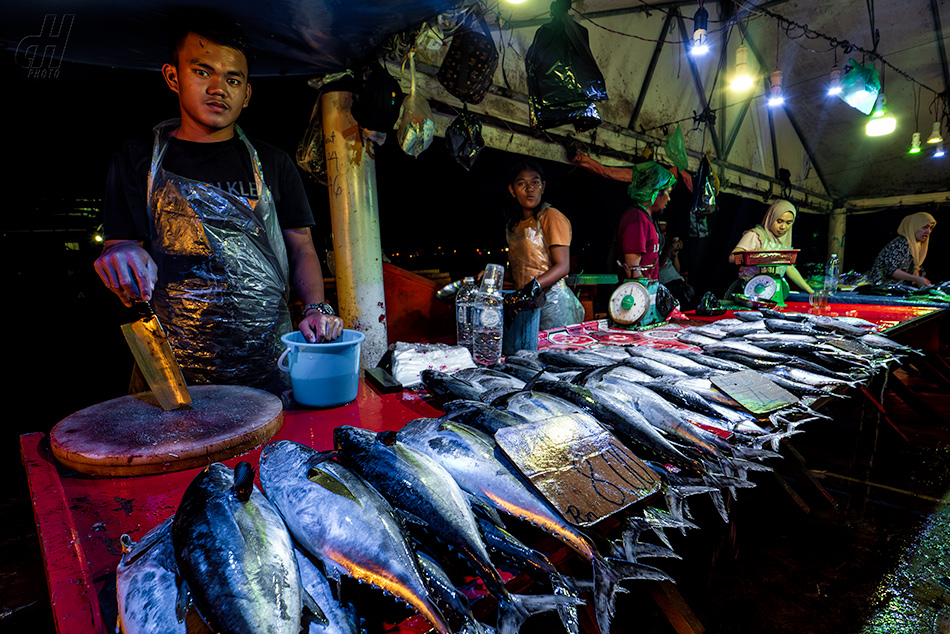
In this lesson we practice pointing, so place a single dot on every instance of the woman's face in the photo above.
(662, 200)
(782, 224)
(923, 234)
(527, 189)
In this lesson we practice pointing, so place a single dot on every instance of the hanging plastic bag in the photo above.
(859, 87)
(463, 139)
(311, 156)
(676, 149)
(376, 104)
(415, 129)
(564, 81)
(704, 204)
(469, 65)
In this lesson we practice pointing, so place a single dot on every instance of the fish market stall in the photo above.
(81, 519)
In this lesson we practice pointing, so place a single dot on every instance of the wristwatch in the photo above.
(323, 308)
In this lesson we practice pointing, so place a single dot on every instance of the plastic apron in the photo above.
(223, 275)
(529, 257)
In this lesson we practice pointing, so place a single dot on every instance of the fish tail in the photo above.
(608, 573)
(568, 613)
(514, 609)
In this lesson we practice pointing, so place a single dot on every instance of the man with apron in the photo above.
(223, 243)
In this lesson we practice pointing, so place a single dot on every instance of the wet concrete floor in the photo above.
(864, 548)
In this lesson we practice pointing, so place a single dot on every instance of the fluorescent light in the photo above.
(776, 97)
(935, 134)
(914, 144)
(700, 21)
(834, 84)
(742, 80)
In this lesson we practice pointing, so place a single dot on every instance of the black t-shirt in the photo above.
(227, 165)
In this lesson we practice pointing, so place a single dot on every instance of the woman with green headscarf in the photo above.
(638, 242)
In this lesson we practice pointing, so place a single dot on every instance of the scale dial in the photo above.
(762, 286)
(629, 303)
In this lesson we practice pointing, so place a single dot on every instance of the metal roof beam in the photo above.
(648, 79)
(698, 82)
(941, 49)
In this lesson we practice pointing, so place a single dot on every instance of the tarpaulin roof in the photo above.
(641, 49)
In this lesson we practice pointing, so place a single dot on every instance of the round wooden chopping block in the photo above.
(133, 435)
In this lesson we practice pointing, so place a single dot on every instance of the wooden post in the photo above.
(354, 216)
(836, 234)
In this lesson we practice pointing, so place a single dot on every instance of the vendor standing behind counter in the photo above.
(775, 232)
(903, 257)
(638, 241)
(539, 246)
(219, 217)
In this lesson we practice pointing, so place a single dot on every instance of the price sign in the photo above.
(754, 391)
(582, 469)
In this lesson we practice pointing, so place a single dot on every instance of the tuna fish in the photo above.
(414, 482)
(337, 516)
(673, 360)
(481, 416)
(151, 599)
(445, 387)
(233, 548)
(478, 466)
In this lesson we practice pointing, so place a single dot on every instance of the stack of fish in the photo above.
(405, 511)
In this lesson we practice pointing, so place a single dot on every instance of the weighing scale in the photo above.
(765, 286)
(640, 304)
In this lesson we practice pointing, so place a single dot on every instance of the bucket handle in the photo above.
(280, 360)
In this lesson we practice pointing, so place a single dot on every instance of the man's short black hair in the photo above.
(216, 27)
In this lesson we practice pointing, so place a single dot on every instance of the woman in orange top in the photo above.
(539, 246)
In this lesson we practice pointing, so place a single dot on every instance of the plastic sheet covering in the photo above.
(564, 81)
(311, 156)
(415, 129)
(223, 276)
(463, 139)
(561, 307)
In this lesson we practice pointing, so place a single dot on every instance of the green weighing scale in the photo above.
(639, 304)
(764, 287)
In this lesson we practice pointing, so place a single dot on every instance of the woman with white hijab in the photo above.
(902, 258)
(775, 232)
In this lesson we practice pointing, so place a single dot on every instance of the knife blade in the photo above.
(155, 358)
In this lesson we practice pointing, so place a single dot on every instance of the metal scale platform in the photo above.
(640, 304)
(764, 288)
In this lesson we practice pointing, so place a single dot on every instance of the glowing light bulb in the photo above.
(935, 134)
(914, 144)
(700, 44)
(834, 85)
(776, 97)
(938, 153)
(742, 80)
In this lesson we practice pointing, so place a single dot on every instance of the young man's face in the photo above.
(211, 82)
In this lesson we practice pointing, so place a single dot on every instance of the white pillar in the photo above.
(836, 234)
(354, 214)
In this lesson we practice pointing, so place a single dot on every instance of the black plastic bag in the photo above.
(376, 104)
(470, 63)
(463, 139)
(564, 81)
(529, 297)
(704, 201)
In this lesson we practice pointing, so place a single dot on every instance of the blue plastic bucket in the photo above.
(322, 374)
(522, 332)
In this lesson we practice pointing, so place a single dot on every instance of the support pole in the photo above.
(354, 216)
(836, 234)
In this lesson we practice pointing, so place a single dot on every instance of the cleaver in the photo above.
(154, 356)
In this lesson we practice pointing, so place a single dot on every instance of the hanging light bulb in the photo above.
(914, 144)
(938, 153)
(700, 21)
(742, 80)
(935, 134)
(880, 123)
(776, 98)
(834, 84)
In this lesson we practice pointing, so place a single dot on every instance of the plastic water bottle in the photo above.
(831, 275)
(464, 302)
(487, 317)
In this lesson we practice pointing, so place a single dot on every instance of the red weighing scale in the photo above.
(765, 287)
